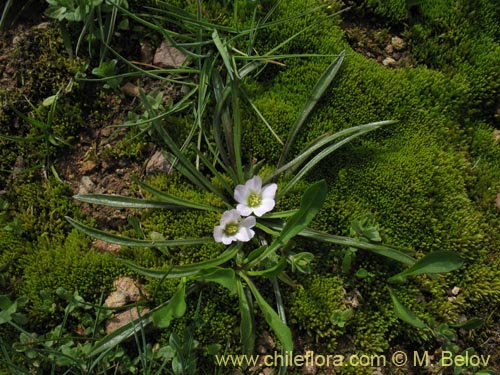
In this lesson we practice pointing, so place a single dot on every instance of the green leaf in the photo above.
(125, 241)
(275, 270)
(247, 329)
(383, 250)
(281, 330)
(174, 309)
(223, 276)
(224, 54)
(7, 309)
(125, 202)
(405, 314)
(473, 323)
(186, 269)
(435, 262)
(317, 92)
(312, 201)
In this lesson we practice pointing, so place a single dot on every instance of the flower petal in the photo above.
(229, 216)
(266, 206)
(218, 233)
(244, 234)
(243, 209)
(254, 184)
(226, 240)
(269, 191)
(248, 222)
(241, 193)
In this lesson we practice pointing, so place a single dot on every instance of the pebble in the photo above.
(398, 43)
(167, 56)
(158, 163)
(389, 61)
(87, 186)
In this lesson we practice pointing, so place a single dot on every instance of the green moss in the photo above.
(312, 304)
(41, 207)
(71, 264)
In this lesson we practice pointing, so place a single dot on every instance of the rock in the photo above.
(86, 185)
(267, 341)
(146, 53)
(389, 61)
(126, 291)
(389, 48)
(497, 135)
(18, 167)
(122, 318)
(158, 163)
(116, 299)
(127, 286)
(398, 43)
(88, 166)
(455, 291)
(309, 367)
(106, 246)
(130, 89)
(167, 56)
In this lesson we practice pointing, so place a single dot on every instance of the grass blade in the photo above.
(185, 269)
(317, 92)
(125, 241)
(125, 202)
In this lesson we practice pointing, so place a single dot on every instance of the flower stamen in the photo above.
(254, 199)
(231, 229)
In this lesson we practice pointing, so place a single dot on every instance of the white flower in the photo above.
(252, 197)
(233, 228)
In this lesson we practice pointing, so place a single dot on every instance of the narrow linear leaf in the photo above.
(224, 54)
(405, 314)
(125, 202)
(435, 262)
(473, 323)
(383, 250)
(281, 330)
(247, 329)
(311, 202)
(125, 241)
(223, 276)
(176, 201)
(271, 271)
(185, 269)
(317, 92)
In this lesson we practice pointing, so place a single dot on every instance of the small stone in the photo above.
(105, 132)
(146, 53)
(86, 185)
(455, 291)
(388, 61)
(398, 43)
(106, 246)
(122, 318)
(167, 56)
(88, 166)
(127, 286)
(158, 163)
(497, 135)
(130, 89)
(116, 299)
(309, 367)
(389, 48)
(18, 167)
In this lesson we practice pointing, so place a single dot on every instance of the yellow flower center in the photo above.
(231, 229)
(254, 200)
